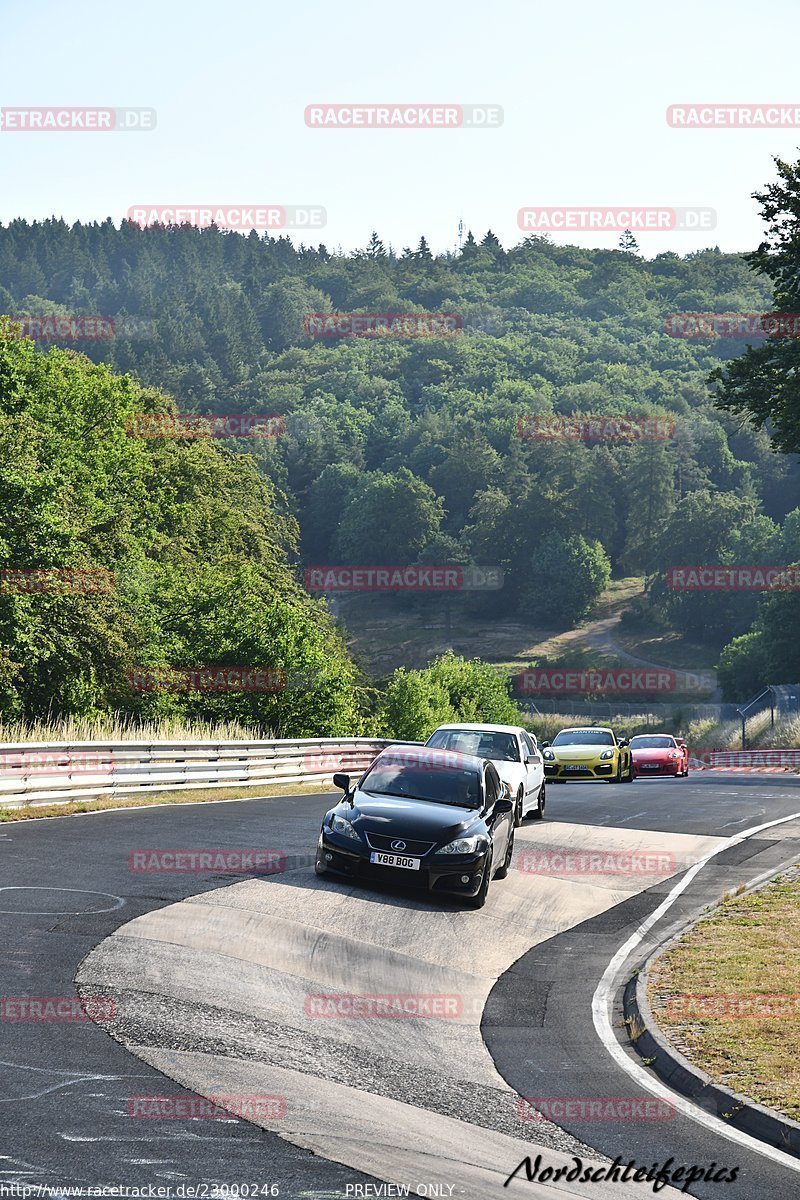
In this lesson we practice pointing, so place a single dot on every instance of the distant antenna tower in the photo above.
(460, 233)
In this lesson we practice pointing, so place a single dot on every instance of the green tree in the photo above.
(764, 382)
(389, 519)
(450, 689)
(566, 575)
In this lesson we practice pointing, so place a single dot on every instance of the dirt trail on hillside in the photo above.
(599, 634)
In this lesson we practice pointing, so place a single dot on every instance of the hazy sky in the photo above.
(584, 88)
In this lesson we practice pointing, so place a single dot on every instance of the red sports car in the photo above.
(659, 754)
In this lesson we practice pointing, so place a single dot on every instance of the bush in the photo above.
(567, 574)
(450, 689)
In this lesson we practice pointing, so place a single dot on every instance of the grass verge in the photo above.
(31, 812)
(744, 956)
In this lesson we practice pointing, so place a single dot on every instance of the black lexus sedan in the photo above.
(433, 818)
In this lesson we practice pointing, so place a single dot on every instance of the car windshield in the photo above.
(654, 742)
(500, 746)
(438, 782)
(583, 737)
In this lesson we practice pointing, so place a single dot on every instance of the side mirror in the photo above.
(543, 745)
(342, 781)
(531, 758)
(503, 805)
(623, 742)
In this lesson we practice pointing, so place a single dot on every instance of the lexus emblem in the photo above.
(398, 845)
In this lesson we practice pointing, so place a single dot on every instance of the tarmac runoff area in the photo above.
(250, 990)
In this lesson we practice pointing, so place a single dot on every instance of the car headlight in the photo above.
(467, 845)
(608, 754)
(673, 754)
(548, 754)
(342, 825)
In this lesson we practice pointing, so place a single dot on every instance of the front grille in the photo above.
(379, 841)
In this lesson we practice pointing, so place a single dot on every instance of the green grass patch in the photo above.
(749, 946)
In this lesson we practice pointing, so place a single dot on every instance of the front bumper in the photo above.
(432, 876)
(657, 768)
(592, 769)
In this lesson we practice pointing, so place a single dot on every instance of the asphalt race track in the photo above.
(214, 979)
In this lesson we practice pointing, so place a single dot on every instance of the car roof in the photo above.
(473, 726)
(655, 733)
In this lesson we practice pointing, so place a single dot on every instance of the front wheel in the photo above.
(503, 871)
(629, 777)
(618, 777)
(518, 813)
(479, 900)
(541, 800)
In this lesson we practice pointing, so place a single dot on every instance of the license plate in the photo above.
(572, 767)
(648, 766)
(394, 860)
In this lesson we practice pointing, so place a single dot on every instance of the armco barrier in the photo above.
(767, 759)
(53, 772)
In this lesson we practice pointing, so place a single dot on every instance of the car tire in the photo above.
(320, 868)
(501, 872)
(541, 800)
(618, 777)
(519, 815)
(629, 777)
(479, 900)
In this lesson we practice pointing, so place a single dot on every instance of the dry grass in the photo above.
(117, 727)
(749, 946)
(32, 812)
(547, 725)
(785, 735)
(726, 735)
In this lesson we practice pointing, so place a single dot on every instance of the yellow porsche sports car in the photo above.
(587, 753)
